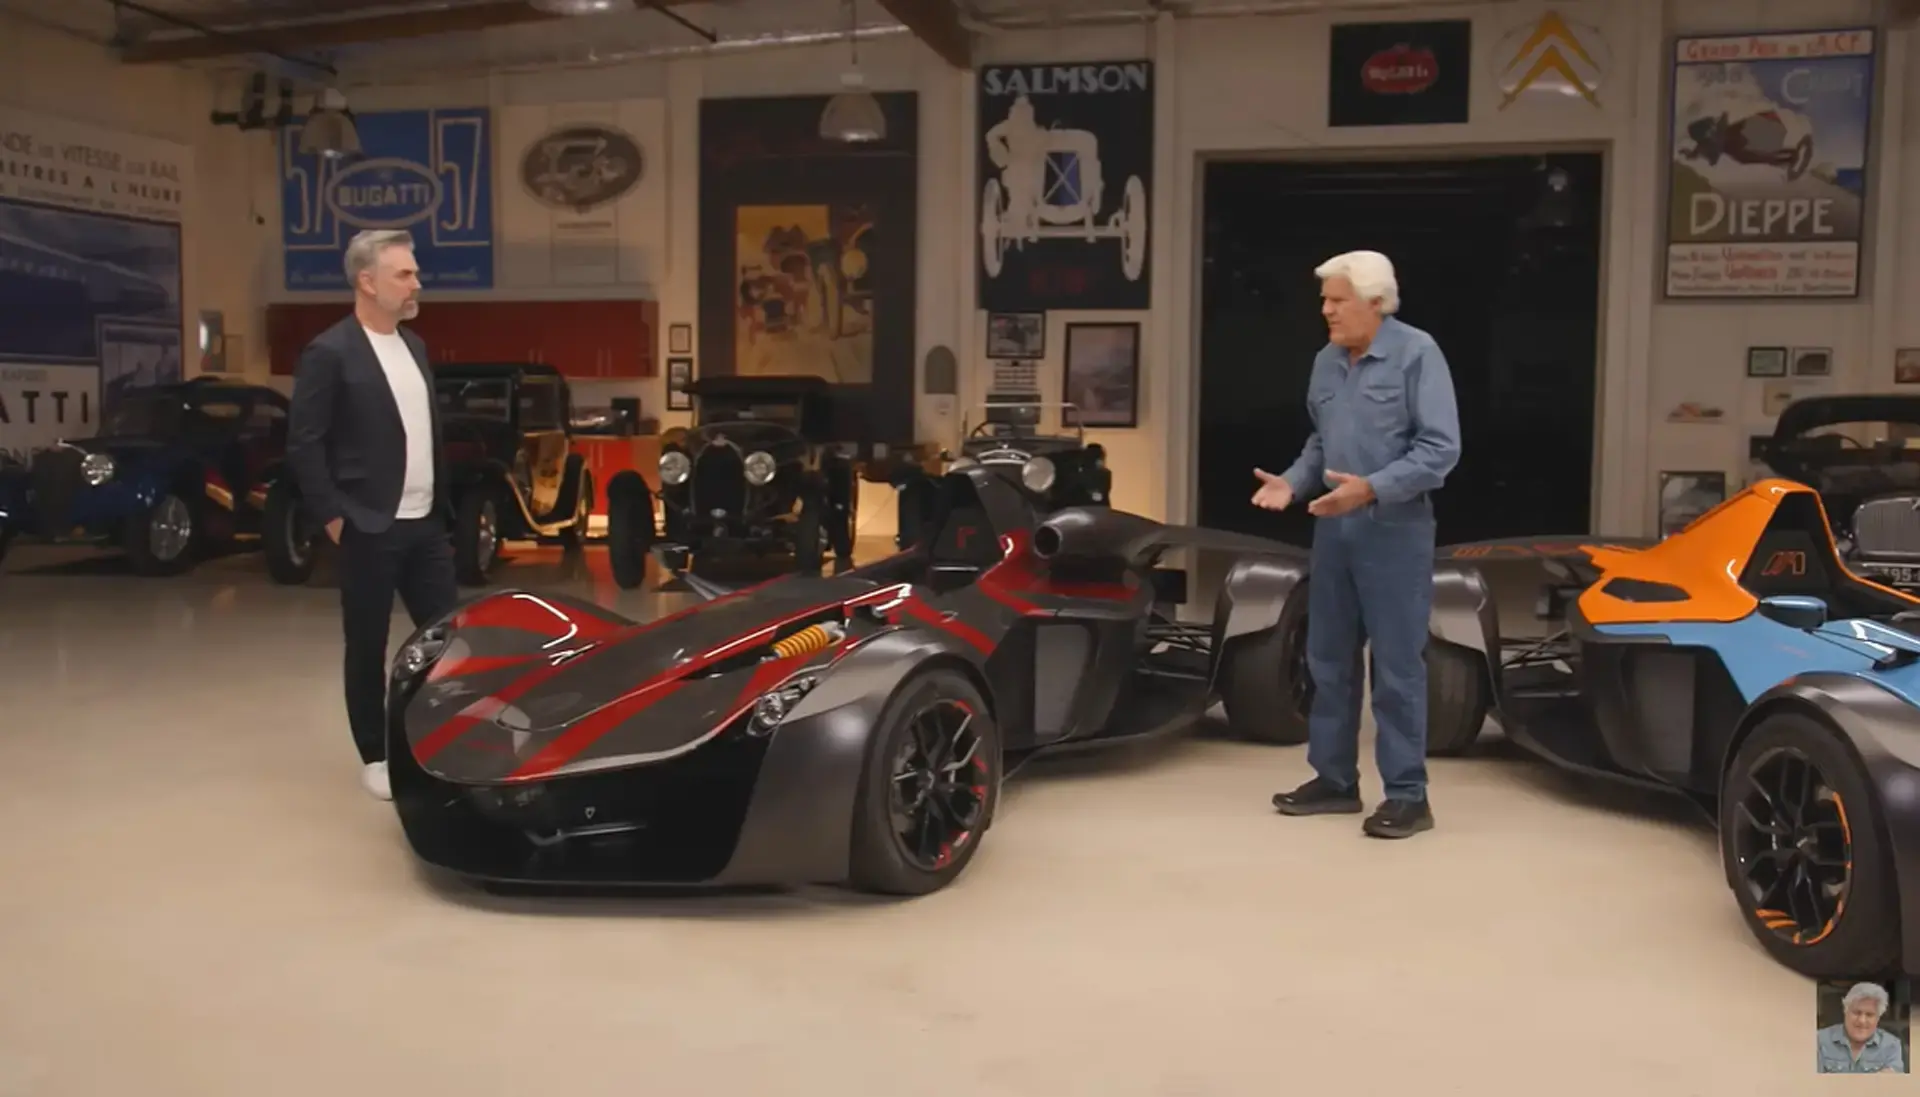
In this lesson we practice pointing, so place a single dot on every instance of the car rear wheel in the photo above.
(1801, 840)
(928, 792)
(629, 527)
(287, 536)
(476, 536)
(1267, 690)
(161, 539)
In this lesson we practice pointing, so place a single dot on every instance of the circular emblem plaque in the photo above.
(581, 166)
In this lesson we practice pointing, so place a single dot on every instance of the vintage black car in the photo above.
(1055, 471)
(174, 471)
(507, 446)
(1862, 454)
(755, 474)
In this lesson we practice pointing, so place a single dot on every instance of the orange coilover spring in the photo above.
(805, 642)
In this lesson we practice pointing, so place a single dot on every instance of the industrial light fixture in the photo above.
(329, 130)
(854, 115)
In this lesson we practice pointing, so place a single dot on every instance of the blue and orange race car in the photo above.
(1740, 663)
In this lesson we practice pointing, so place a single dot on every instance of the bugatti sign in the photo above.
(581, 167)
(384, 194)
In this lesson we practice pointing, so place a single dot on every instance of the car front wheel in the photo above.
(1802, 845)
(629, 527)
(476, 536)
(161, 539)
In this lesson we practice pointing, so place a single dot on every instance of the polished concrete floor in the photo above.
(197, 898)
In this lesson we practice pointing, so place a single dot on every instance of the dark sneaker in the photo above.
(1399, 819)
(1318, 797)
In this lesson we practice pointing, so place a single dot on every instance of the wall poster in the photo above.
(1767, 191)
(807, 255)
(90, 273)
(429, 172)
(1065, 171)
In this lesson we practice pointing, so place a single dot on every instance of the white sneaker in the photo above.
(374, 777)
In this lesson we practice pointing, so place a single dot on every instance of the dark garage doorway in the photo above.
(1498, 257)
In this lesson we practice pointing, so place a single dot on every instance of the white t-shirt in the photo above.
(410, 393)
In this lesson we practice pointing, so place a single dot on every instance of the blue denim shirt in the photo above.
(1390, 417)
(1880, 1053)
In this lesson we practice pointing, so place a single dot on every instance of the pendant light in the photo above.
(854, 115)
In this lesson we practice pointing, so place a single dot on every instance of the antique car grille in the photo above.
(719, 481)
(56, 480)
(1888, 527)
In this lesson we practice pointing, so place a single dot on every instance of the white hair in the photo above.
(363, 251)
(1866, 992)
(1371, 274)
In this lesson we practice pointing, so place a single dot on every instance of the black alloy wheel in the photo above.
(1794, 844)
(939, 785)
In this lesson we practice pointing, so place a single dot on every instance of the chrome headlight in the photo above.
(760, 468)
(675, 467)
(97, 468)
(773, 706)
(961, 463)
(421, 652)
(1037, 475)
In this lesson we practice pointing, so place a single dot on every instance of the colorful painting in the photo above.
(806, 305)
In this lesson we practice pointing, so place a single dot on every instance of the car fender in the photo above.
(1883, 730)
(156, 473)
(1464, 615)
(1254, 595)
(799, 825)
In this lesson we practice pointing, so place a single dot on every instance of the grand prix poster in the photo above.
(1767, 192)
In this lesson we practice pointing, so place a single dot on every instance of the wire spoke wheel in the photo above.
(1793, 846)
(938, 788)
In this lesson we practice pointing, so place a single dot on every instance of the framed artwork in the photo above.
(1017, 335)
(1906, 366)
(1812, 361)
(1101, 377)
(679, 375)
(1766, 361)
(680, 339)
(1685, 496)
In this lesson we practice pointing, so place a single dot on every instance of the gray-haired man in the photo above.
(1858, 1045)
(364, 445)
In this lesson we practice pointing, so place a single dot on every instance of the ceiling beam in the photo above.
(341, 32)
(936, 23)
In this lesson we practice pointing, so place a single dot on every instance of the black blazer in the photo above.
(345, 441)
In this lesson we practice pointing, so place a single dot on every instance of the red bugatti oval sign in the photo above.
(1402, 70)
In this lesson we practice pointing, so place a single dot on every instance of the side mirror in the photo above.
(1795, 610)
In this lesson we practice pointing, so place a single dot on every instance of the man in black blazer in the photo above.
(364, 446)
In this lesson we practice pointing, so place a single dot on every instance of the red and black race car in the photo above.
(852, 729)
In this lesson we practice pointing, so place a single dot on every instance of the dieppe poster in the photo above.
(1768, 185)
(429, 172)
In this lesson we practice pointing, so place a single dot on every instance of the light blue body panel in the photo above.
(1760, 653)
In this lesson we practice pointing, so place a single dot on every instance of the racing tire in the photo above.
(629, 528)
(1457, 698)
(476, 536)
(289, 546)
(936, 723)
(156, 545)
(809, 530)
(1862, 933)
(1268, 692)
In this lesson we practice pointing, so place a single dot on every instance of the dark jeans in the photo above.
(413, 558)
(1372, 584)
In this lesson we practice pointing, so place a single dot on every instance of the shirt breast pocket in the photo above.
(1382, 408)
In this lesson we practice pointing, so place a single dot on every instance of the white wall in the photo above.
(1257, 85)
(224, 237)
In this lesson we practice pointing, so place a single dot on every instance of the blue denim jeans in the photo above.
(1371, 586)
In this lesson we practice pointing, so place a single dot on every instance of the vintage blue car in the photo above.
(174, 471)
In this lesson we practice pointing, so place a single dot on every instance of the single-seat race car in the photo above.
(1740, 663)
(851, 729)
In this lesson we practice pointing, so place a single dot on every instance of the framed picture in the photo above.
(1766, 361)
(679, 375)
(1017, 335)
(1812, 361)
(1906, 366)
(1102, 375)
(680, 339)
(1685, 496)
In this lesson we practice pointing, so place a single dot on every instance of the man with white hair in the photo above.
(1858, 1045)
(1386, 432)
(363, 441)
